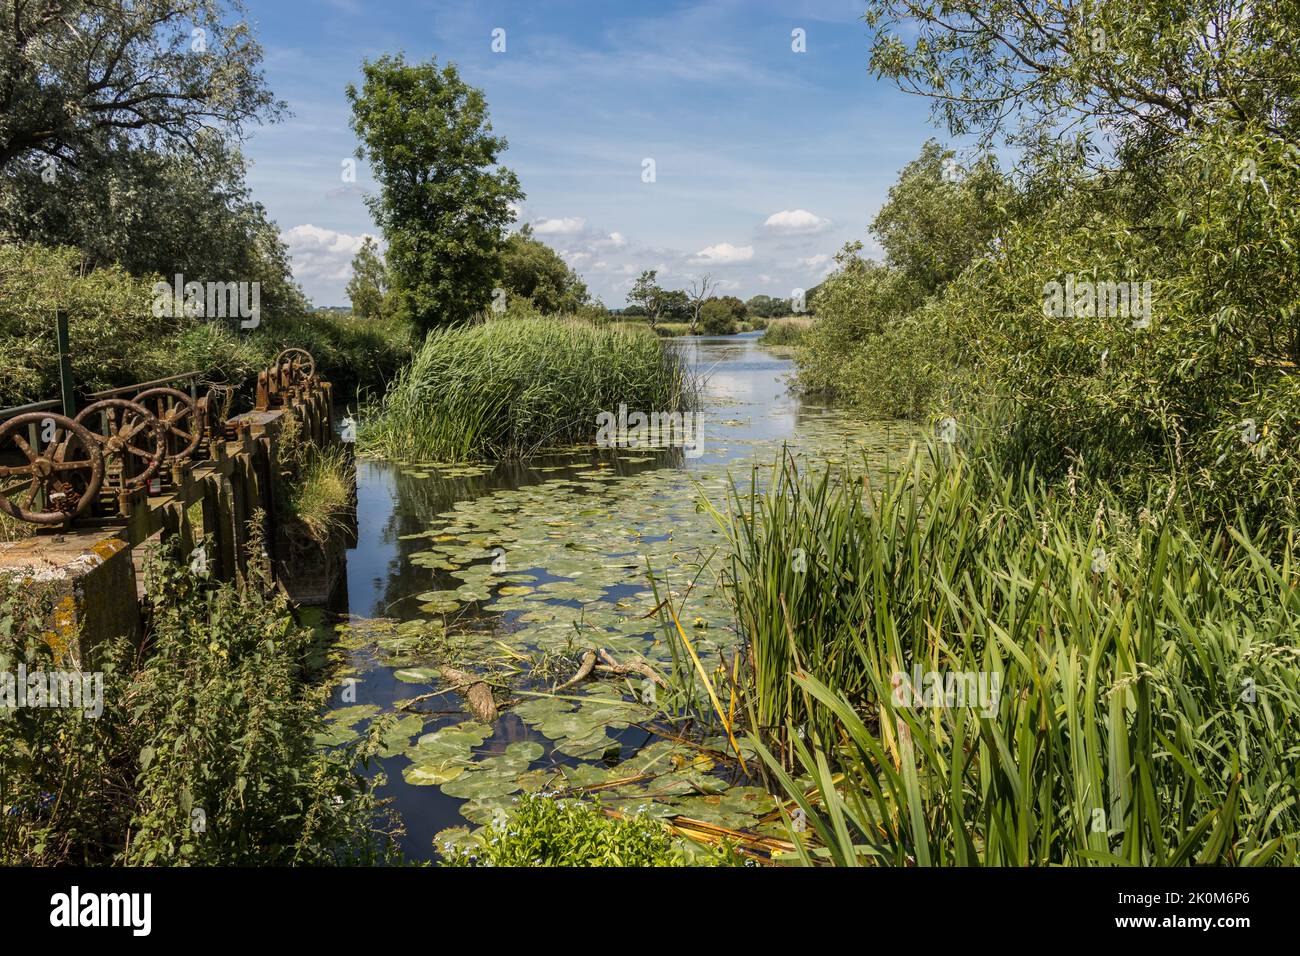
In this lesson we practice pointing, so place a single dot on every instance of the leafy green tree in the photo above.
(444, 200)
(80, 75)
(939, 216)
(369, 282)
(531, 269)
(648, 296)
(1136, 69)
(156, 211)
(717, 317)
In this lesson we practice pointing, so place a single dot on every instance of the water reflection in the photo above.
(749, 411)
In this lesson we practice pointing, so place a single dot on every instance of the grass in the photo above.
(1149, 696)
(318, 484)
(788, 331)
(506, 389)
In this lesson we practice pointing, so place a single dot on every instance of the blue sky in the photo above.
(766, 160)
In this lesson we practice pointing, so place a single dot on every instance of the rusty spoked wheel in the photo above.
(63, 469)
(301, 365)
(179, 415)
(131, 439)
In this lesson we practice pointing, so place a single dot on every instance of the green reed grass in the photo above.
(1150, 696)
(508, 388)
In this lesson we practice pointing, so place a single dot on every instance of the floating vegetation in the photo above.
(537, 578)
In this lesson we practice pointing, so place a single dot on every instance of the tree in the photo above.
(369, 282)
(1131, 68)
(700, 290)
(80, 75)
(647, 295)
(443, 202)
(939, 217)
(717, 318)
(533, 270)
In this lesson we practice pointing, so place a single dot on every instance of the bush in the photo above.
(508, 388)
(205, 750)
(717, 318)
(786, 331)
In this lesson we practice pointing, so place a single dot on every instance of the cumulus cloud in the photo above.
(566, 226)
(321, 256)
(814, 261)
(795, 221)
(724, 253)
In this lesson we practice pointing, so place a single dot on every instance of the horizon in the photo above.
(767, 161)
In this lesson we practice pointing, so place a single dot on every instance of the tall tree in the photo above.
(444, 201)
(76, 75)
(369, 282)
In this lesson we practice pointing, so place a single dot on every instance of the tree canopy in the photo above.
(444, 201)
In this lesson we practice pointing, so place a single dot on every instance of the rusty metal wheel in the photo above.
(301, 365)
(63, 472)
(131, 439)
(179, 415)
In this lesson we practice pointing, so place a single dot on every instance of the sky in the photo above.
(765, 160)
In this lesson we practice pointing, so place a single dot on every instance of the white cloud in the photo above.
(321, 255)
(814, 261)
(795, 221)
(724, 253)
(616, 240)
(569, 225)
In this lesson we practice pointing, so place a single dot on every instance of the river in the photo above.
(511, 571)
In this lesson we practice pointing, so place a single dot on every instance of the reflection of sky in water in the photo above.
(748, 410)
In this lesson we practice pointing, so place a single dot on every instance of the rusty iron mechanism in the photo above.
(127, 444)
(293, 371)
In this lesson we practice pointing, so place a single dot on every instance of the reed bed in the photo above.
(506, 389)
(1149, 698)
(787, 331)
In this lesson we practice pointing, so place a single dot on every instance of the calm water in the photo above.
(615, 508)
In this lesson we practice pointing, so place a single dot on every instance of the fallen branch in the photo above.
(474, 689)
(584, 671)
(611, 666)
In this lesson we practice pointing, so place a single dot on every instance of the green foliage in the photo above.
(766, 307)
(541, 831)
(117, 340)
(205, 750)
(317, 485)
(1147, 685)
(533, 270)
(187, 213)
(125, 71)
(786, 331)
(444, 201)
(507, 388)
(369, 283)
(717, 318)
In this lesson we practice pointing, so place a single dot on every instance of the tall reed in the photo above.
(1149, 695)
(507, 388)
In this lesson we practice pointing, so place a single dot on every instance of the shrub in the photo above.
(205, 751)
